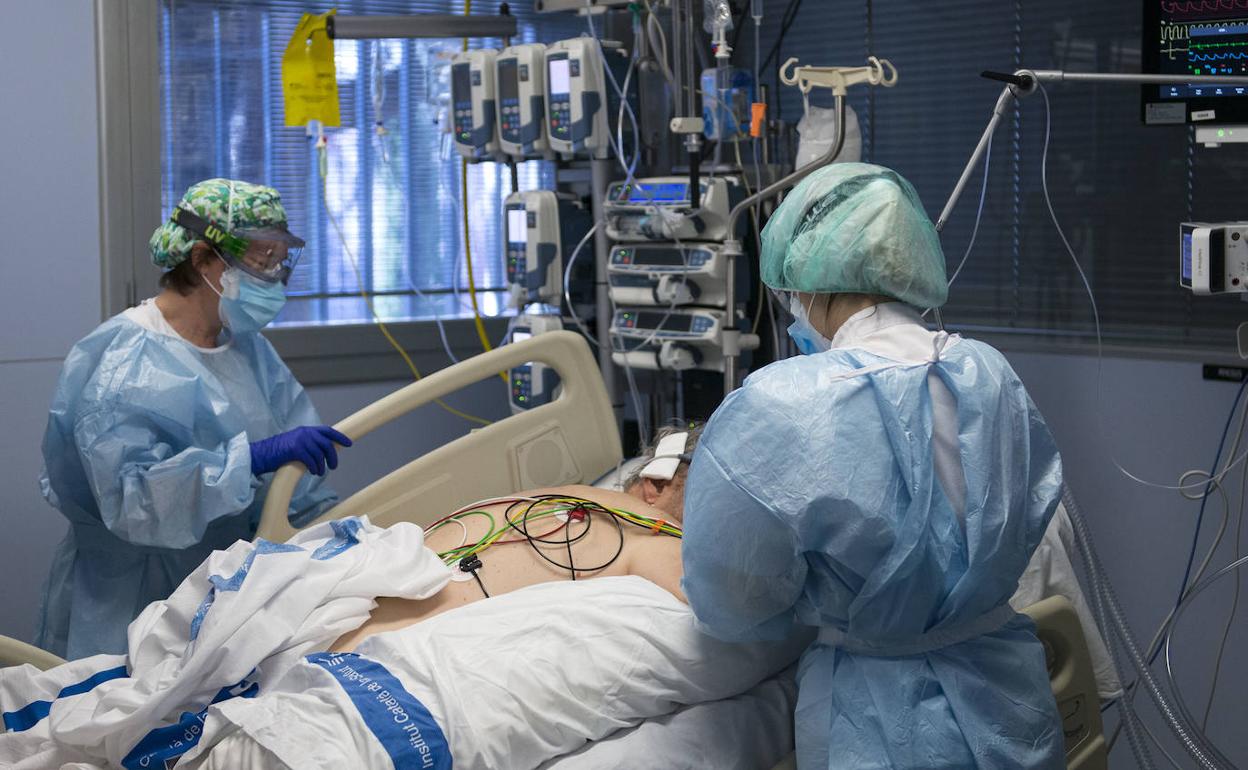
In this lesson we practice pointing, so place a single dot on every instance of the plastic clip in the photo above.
(758, 115)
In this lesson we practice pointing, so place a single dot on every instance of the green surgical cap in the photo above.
(226, 203)
(855, 227)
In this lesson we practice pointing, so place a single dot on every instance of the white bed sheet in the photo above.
(749, 732)
(503, 683)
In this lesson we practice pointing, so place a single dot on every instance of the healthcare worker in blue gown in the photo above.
(888, 488)
(169, 419)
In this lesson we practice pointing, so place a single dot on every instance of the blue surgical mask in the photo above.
(808, 340)
(248, 304)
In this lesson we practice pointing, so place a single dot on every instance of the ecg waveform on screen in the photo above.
(1206, 47)
(1188, 6)
(1178, 10)
(1193, 56)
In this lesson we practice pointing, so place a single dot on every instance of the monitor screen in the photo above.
(508, 82)
(674, 192)
(560, 79)
(675, 322)
(1195, 38)
(461, 86)
(1186, 265)
(520, 335)
(665, 256)
(517, 226)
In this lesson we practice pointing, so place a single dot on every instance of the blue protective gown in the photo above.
(815, 498)
(147, 454)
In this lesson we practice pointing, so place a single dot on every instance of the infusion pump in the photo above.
(534, 383)
(660, 209)
(520, 77)
(541, 227)
(473, 103)
(677, 339)
(668, 274)
(580, 98)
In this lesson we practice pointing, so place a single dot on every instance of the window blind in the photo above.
(1119, 188)
(396, 197)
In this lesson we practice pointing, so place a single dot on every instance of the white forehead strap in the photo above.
(667, 457)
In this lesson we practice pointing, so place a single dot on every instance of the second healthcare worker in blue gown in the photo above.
(169, 419)
(888, 488)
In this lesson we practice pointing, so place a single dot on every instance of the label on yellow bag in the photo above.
(309, 82)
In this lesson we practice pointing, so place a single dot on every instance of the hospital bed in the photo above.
(575, 440)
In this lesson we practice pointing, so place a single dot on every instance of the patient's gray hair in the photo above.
(694, 429)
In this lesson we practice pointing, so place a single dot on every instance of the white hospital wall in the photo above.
(1160, 419)
(50, 287)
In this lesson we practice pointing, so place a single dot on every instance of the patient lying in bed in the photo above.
(597, 546)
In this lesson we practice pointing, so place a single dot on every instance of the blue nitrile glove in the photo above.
(312, 445)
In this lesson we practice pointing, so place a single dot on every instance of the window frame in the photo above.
(131, 145)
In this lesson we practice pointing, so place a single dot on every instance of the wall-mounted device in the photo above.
(659, 209)
(534, 383)
(579, 98)
(658, 338)
(1213, 257)
(539, 226)
(668, 274)
(473, 104)
(521, 83)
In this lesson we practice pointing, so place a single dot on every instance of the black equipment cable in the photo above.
(588, 509)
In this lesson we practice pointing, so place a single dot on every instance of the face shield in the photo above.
(268, 253)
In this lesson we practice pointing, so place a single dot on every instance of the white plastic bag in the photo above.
(817, 131)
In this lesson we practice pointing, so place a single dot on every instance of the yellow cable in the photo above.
(368, 301)
(472, 283)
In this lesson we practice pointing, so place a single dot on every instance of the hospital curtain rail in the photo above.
(396, 197)
(1120, 189)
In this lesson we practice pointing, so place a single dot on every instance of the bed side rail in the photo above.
(573, 439)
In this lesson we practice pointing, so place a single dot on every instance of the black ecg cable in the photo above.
(589, 508)
(471, 565)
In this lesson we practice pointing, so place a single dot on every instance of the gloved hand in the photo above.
(312, 445)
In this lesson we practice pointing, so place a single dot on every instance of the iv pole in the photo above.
(878, 72)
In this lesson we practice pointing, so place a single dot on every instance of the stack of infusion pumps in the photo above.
(532, 100)
(667, 273)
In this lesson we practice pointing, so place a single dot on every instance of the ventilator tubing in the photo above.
(1110, 617)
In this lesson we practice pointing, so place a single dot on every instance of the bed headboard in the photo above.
(574, 439)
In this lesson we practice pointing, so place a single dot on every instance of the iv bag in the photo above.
(817, 130)
(716, 14)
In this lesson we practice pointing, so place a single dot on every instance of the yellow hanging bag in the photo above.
(309, 82)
